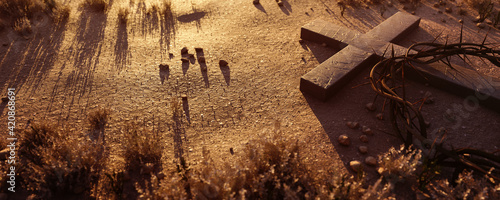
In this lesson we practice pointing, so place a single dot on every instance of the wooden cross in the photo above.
(362, 50)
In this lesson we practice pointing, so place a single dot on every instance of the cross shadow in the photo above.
(286, 8)
(164, 73)
(260, 7)
(226, 72)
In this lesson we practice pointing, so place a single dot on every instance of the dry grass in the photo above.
(141, 146)
(57, 162)
(98, 118)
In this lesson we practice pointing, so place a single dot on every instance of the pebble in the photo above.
(353, 125)
(488, 21)
(355, 165)
(477, 19)
(436, 5)
(363, 138)
(363, 149)
(280, 3)
(370, 160)
(461, 21)
(184, 50)
(366, 130)
(256, 2)
(481, 25)
(199, 49)
(371, 107)
(223, 63)
(184, 97)
(448, 10)
(344, 140)
(380, 116)
(231, 151)
(201, 59)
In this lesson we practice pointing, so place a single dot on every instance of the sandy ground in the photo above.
(62, 73)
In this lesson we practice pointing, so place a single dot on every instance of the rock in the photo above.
(477, 19)
(231, 151)
(184, 50)
(363, 138)
(280, 3)
(164, 67)
(355, 165)
(5, 99)
(256, 2)
(184, 97)
(363, 149)
(488, 21)
(344, 140)
(443, 3)
(223, 63)
(413, 13)
(352, 125)
(370, 160)
(461, 21)
(371, 107)
(4, 154)
(201, 59)
(366, 130)
(184, 60)
(147, 168)
(448, 10)
(436, 5)
(380, 116)
(170, 55)
(199, 49)
(481, 25)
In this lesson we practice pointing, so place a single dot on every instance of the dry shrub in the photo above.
(98, 118)
(397, 166)
(141, 146)
(96, 5)
(57, 162)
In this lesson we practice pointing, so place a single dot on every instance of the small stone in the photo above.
(413, 12)
(448, 10)
(370, 160)
(436, 5)
(461, 21)
(429, 100)
(201, 59)
(199, 49)
(344, 140)
(184, 50)
(488, 21)
(223, 63)
(280, 3)
(170, 55)
(380, 116)
(164, 67)
(363, 138)
(477, 19)
(481, 25)
(231, 151)
(184, 97)
(147, 168)
(363, 149)
(5, 99)
(256, 2)
(366, 130)
(353, 125)
(355, 165)
(371, 107)
(184, 60)
(443, 3)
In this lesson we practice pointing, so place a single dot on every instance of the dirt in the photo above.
(62, 72)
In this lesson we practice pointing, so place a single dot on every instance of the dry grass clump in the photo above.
(98, 118)
(58, 162)
(123, 14)
(141, 147)
(401, 165)
(96, 5)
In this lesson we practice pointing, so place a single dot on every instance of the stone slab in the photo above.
(330, 76)
(331, 34)
(463, 82)
(395, 27)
